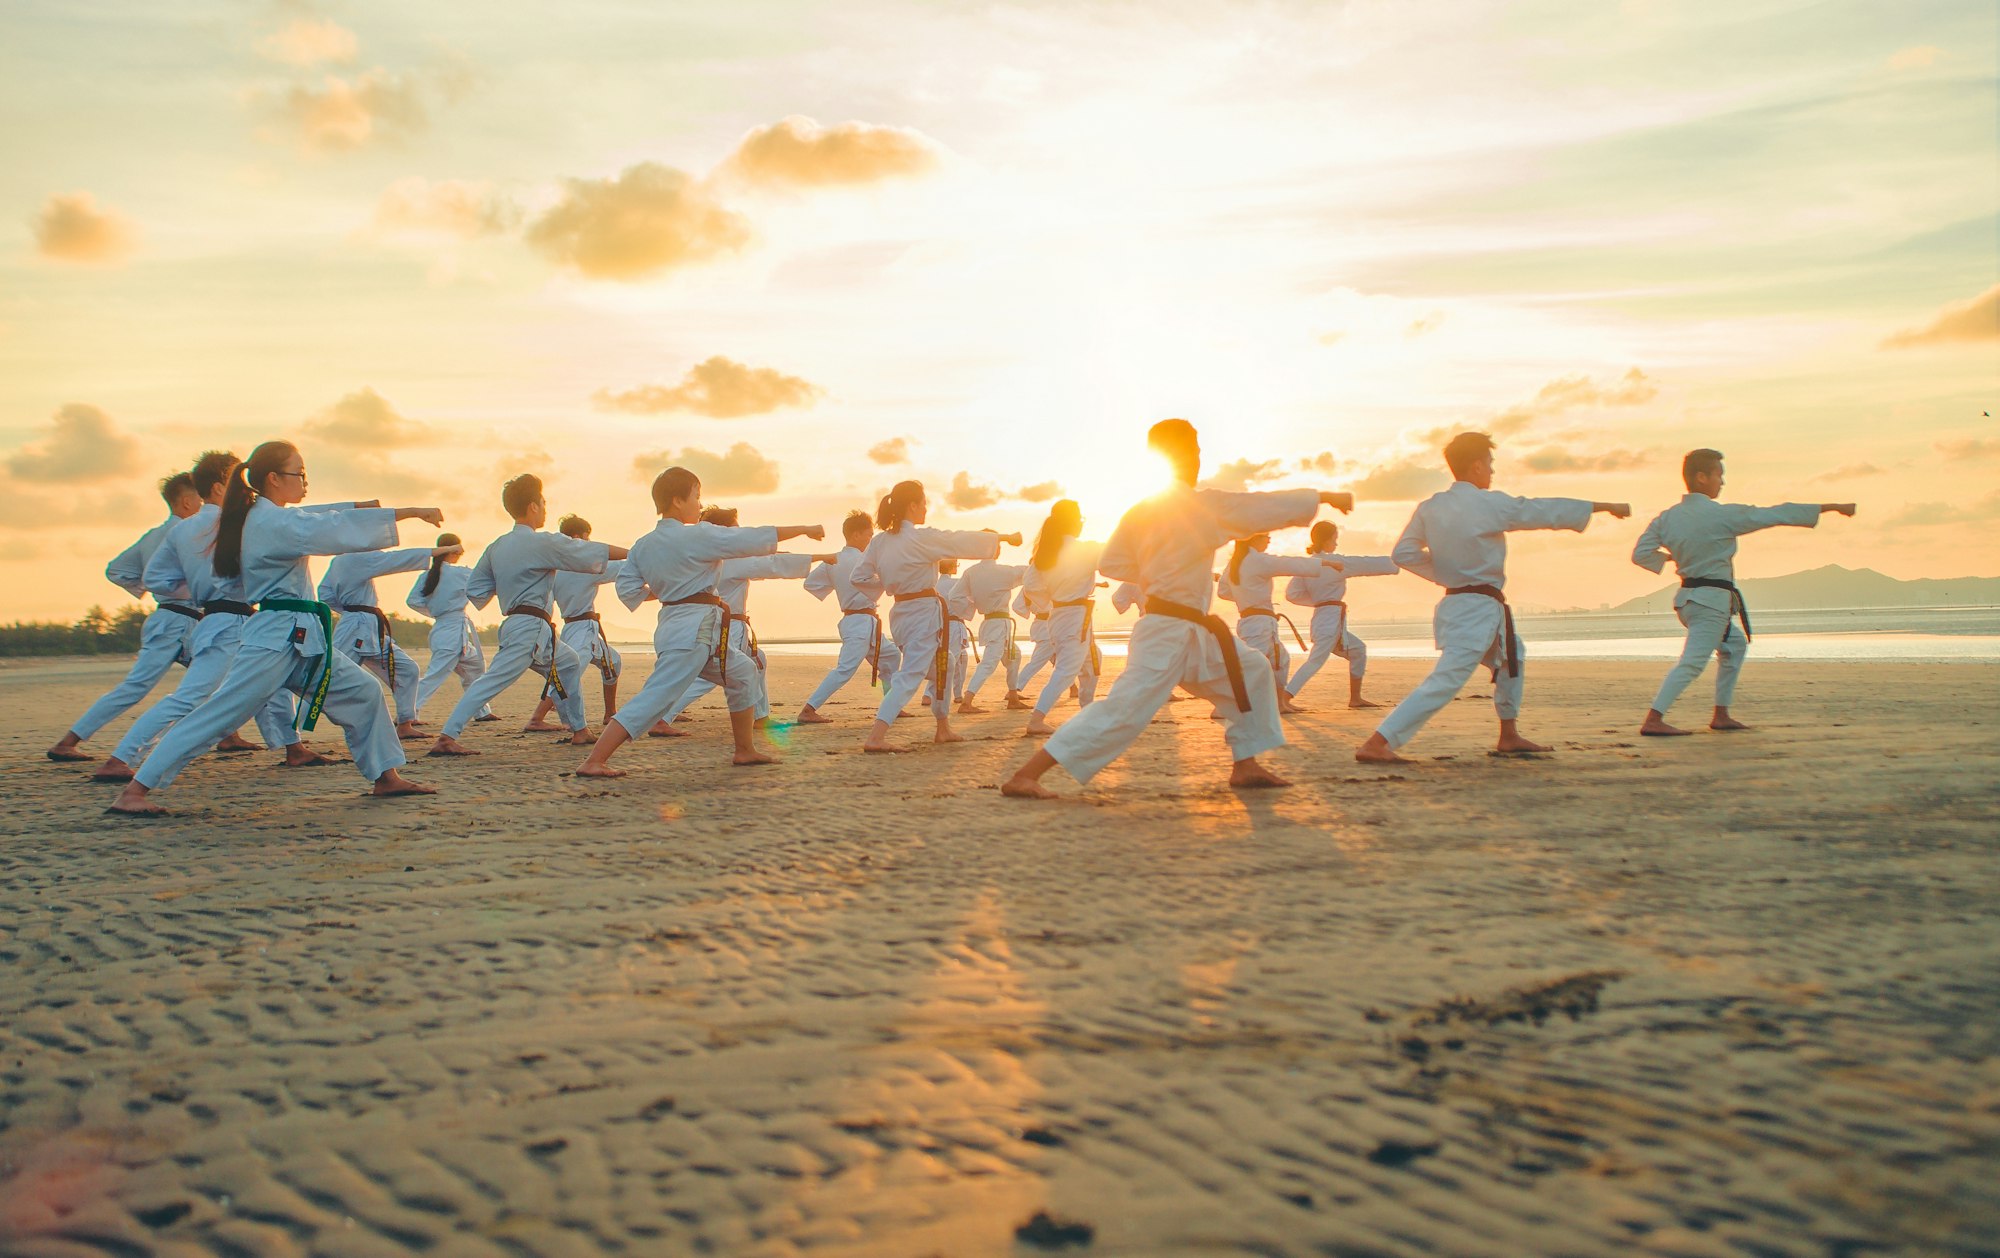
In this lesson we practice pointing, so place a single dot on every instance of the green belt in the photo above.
(315, 694)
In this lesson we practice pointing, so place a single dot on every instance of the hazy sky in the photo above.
(811, 249)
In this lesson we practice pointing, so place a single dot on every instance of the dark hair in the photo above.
(243, 490)
(904, 495)
(676, 484)
(519, 494)
(1176, 438)
(1461, 450)
(1236, 556)
(174, 486)
(573, 526)
(1065, 521)
(1324, 534)
(210, 470)
(854, 523)
(1699, 463)
(948, 567)
(437, 564)
(725, 516)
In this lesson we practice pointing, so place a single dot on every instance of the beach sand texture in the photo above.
(1726, 995)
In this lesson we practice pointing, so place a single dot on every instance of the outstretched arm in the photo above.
(1748, 519)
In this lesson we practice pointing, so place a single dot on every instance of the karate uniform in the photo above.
(960, 609)
(520, 567)
(1458, 538)
(1033, 604)
(454, 643)
(677, 562)
(987, 584)
(860, 625)
(1070, 586)
(1256, 605)
(733, 588)
(166, 638)
(1699, 534)
(1166, 547)
(904, 563)
(183, 568)
(582, 631)
(1325, 592)
(287, 650)
(348, 587)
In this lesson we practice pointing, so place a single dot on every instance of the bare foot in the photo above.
(300, 756)
(1020, 786)
(408, 732)
(1038, 727)
(1654, 727)
(1019, 702)
(1515, 745)
(970, 709)
(1726, 723)
(1287, 706)
(1249, 775)
(663, 730)
(542, 727)
(811, 716)
(490, 716)
(884, 749)
(393, 784)
(752, 757)
(1362, 703)
(448, 746)
(133, 802)
(1378, 751)
(582, 738)
(112, 770)
(237, 743)
(589, 770)
(68, 751)
(949, 736)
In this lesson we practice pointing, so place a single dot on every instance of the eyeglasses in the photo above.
(300, 474)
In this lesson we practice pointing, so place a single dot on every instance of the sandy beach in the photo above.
(1724, 995)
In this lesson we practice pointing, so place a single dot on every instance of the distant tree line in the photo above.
(99, 632)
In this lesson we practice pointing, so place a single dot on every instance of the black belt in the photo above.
(712, 599)
(1231, 662)
(943, 661)
(1506, 623)
(388, 638)
(875, 643)
(570, 620)
(181, 609)
(1736, 604)
(553, 685)
(226, 607)
(1247, 612)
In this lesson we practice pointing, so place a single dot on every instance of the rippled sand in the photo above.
(1726, 995)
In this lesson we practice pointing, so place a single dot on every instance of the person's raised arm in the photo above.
(819, 582)
(867, 575)
(429, 515)
(1747, 519)
(1650, 551)
(480, 587)
(127, 569)
(1412, 551)
(1521, 515)
(786, 532)
(630, 585)
(165, 575)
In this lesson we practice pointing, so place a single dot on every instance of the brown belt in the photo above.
(1247, 612)
(1341, 632)
(712, 599)
(1231, 662)
(552, 684)
(942, 663)
(875, 642)
(603, 661)
(1506, 623)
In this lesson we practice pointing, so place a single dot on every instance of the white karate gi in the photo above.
(454, 643)
(1166, 547)
(904, 562)
(166, 638)
(576, 602)
(988, 584)
(860, 624)
(183, 568)
(520, 566)
(1069, 586)
(677, 561)
(1699, 534)
(285, 650)
(1325, 592)
(1042, 653)
(960, 606)
(348, 586)
(1251, 591)
(733, 588)
(1458, 537)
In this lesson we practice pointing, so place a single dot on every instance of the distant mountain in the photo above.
(1835, 586)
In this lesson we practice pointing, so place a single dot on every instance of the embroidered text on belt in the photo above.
(874, 641)
(1506, 623)
(554, 683)
(1247, 612)
(316, 686)
(1736, 605)
(388, 637)
(1219, 630)
(943, 660)
(710, 598)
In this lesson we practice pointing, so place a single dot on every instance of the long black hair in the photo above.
(1065, 521)
(243, 490)
(437, 564)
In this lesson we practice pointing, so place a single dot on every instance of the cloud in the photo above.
(1567, 393)
(73, 229)
(365, 419)
(309, 41)
(720, 388)
(1969, 448)
(799, 152)
(83, 446)
(891, 452)
(1326, 463)
(966, 496)
(647, 220)
(1555, 458)
(449, 206)
(22, 510)
(1852, 471)
(1974, 320)
(1240, 474)
(1925, 514)
(1042, 492)
(343, 115)
(1424, 325)
(1401, 480)
(742, 470)
(1918, 57)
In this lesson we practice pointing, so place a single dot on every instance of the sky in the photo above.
(810, 250)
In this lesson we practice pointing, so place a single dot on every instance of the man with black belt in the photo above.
(1457, 538)
(1166, 545)
(364, 635)
(520, 567)
(1699, 534)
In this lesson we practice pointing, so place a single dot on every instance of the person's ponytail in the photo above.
(236, 503)
(437, 564)
(889, 516)
(1065, 521)
(1236, 561)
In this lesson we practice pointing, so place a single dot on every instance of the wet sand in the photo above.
(1724, 995)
